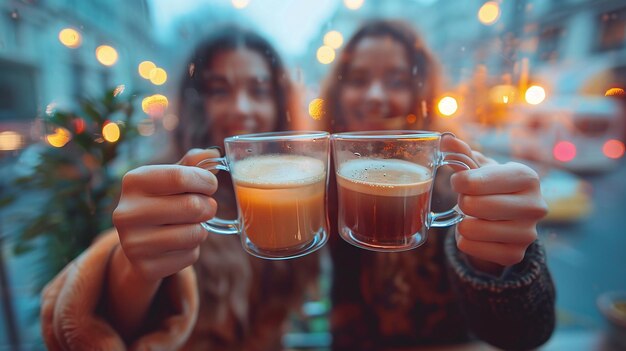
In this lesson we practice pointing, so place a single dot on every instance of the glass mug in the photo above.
(385, 182)
(280, 182)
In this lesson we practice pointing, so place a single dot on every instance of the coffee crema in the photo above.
(281, 199)
(383, 202)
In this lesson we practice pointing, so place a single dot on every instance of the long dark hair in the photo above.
(425, 72)
(192, 131)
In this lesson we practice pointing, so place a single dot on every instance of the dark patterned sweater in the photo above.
(431, 296)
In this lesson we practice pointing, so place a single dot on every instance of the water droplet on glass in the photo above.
(414, 72)
(384, 174)
(357, 154)
(248, 150)
(289, 147)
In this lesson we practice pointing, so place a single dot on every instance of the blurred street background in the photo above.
(537, 81)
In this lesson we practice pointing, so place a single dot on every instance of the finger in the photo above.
(167, 264)
(502, 207)
(149, 242)
(483, 160)
(460, 151)
(194, 156)
(169, 180)
(503, 254)
(495, 179)
(172, 209)
(506, 232)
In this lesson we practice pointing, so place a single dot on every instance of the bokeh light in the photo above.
(59, 138)
(613, 149)
(564, 151)
(489, 13)
(70, 37)
(325, 54)
(535, 95)
(145, 69)
(106, 55)
(111, 132)
(158, 76)
(154, 105)
(353, 4)
(170, 122)
(448, 106)
(334, 39)
(317, 109)
(411, 118)
(79, 125)
(10, 141)
(240, 4)
(146, 127)
(615, 92)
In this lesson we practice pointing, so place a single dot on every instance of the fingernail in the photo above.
(448, 133)
(219, 149)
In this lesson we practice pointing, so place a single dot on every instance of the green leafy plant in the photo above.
(74, 180)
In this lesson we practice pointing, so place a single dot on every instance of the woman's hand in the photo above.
(502, 204)
(159, 214)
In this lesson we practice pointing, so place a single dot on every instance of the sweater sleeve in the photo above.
(514, 311)
(71, 304)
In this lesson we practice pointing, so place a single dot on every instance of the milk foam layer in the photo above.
(278, 171)
(384, 177)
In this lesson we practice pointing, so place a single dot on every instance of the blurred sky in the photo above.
(289, 23)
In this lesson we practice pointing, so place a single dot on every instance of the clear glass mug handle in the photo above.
(453, 215)
(217, 225)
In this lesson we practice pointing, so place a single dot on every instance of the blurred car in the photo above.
(569, 197)
(581, 134)
(578, 133)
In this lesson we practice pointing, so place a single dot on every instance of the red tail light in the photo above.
(564, 151)
(613, 149)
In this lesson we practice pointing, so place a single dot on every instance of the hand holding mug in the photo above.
(159, 213)
(502, 204)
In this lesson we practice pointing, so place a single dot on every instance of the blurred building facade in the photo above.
(37, 69)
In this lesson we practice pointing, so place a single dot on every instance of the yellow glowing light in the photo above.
(158, 76)
(106, 55)
(59, 138)
(170, 122)
(489, 13)
(317, 109)
(325, 54)
(615, 92)
(334, 39)
(10, 141)
(353, 4)
(111, 132)
(145, 69)
(154, 105)
(535, 95)
(70, 38)
(240, 4)
(447, 106)
(146, 127)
